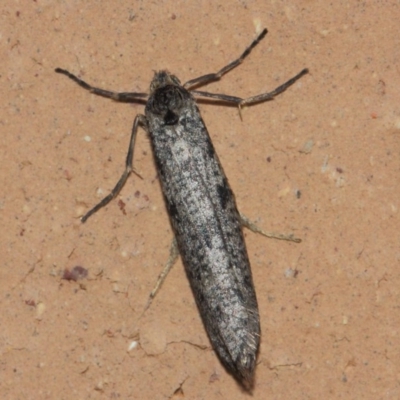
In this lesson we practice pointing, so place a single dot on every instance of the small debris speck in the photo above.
(75, 274)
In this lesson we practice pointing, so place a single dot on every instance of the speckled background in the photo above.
(322, 161)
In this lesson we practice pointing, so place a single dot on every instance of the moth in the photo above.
(201, 207)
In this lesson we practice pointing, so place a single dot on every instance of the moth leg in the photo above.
(139, 120)
(173, 256)
(204, 79)
(253, 227)
(124, 96)
(253, 99)
(266, 96)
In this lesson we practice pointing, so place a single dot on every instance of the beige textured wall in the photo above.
(329, 306)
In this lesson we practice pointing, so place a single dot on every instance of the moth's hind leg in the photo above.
(273, 235)
(173, 256)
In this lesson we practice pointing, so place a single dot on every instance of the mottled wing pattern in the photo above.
(207, 226)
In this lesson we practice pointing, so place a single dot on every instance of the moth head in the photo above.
(167, 97)
(163, 78)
